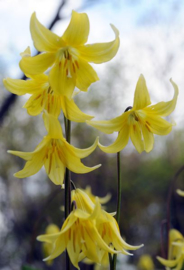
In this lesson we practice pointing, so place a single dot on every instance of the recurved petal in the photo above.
(136, 137)
(72, 112)
(157, 125)
(74, 164)
(52, 126)
(37, 64)
(164, 108)
(82, 153)
(148, 138)
(34, 104)
(78, 29)
(101, 52)
(168, 263)
(74, 246)
(21, 87)
(119, 143)
(60, 82)
(110, 126)
(32, 166)
(85, 75)
(141, 95)
(44, 39)
(48, 238)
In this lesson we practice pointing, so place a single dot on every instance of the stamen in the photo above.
(38, 97)
(50, 163)
(65, 62)
(73, 67)
(60, 64)
(77, 64)
(67, 72)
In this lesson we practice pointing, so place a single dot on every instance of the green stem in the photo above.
(118, 201)
(67, 185)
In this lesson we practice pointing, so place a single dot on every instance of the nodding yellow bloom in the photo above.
(176, 251)
(44, 97)
(55, 153)
(79, 236)
(68, 56)
(48, 247)
(145, 262)
(140, 122)
(102, 200)
(106, 226)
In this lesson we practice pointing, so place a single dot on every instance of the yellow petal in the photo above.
(148, 138)
(141, 95)
(32, 166)
(59, 248)
(55, 168)
(52, 126)
(82, 153)
(112, 125)
(157, 125)
(60, 82)
(72, 112)
(34, 104)
(101, 52)
(48, 238)
(26, 52)
(74, 164)
(78, 29)
(71, 219)
(44, 39)
(74, 246)
(180, 192)
(21, 87)
(85, 75)
(136, 137)
(164, 108)
(119, 143)
(37, 64)
(169, 263)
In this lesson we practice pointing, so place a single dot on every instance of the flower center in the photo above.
(68, 61)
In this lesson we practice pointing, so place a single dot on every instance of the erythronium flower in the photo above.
(55, 153)
(48, 247)
(43, 97)
(176, 251)
(68, 56)
(79, 236)
(140, 122)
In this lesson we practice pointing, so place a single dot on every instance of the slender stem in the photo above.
(67, 185)
(118, 201)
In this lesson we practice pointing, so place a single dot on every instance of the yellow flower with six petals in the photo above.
(55, 153)
(140, 122)
(68, 56)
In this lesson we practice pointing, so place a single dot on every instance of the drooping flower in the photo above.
(79, 236)
(140, 122)
(176, 251)
(43, 97)
(48, 247)
(145, 262)
(68, 56)
(106, 226)
(55, 153)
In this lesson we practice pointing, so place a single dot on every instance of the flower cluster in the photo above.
(88, 232)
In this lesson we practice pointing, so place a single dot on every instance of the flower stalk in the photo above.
(67, 185)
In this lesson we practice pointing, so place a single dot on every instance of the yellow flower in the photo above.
(102, 200)
(176, 251)
(55, 153)
(48, 247)
(79, 236)
(68, 56)
(146, 262)
(106, 226)
(140, 122)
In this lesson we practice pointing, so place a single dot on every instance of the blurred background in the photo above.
(152, 43)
